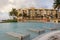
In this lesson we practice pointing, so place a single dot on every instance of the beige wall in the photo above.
(39, 11)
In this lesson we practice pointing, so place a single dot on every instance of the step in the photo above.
(20, 36)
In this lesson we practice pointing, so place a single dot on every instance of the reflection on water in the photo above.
(21, 28)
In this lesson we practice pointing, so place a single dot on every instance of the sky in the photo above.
(7, 5)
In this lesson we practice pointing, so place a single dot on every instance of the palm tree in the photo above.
(14, 13)
(57, 4)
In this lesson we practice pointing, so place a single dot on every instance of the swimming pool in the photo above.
(22, 28)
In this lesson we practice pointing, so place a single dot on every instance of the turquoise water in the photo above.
(22, 28)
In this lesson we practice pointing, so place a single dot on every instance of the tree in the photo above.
(13, 13)
(24, 14)
(57, 4)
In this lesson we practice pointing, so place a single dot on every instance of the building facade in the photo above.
(37, 14)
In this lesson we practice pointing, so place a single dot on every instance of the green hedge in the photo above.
(9, 20)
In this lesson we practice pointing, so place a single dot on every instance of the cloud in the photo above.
(34, 3)
(23, 3)
(11, 1)
(6, 5)
(4, 16)
(7, 8)
(3, 3)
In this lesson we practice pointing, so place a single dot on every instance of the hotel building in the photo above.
(37, 14)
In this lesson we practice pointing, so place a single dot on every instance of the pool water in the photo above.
(22, 28)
